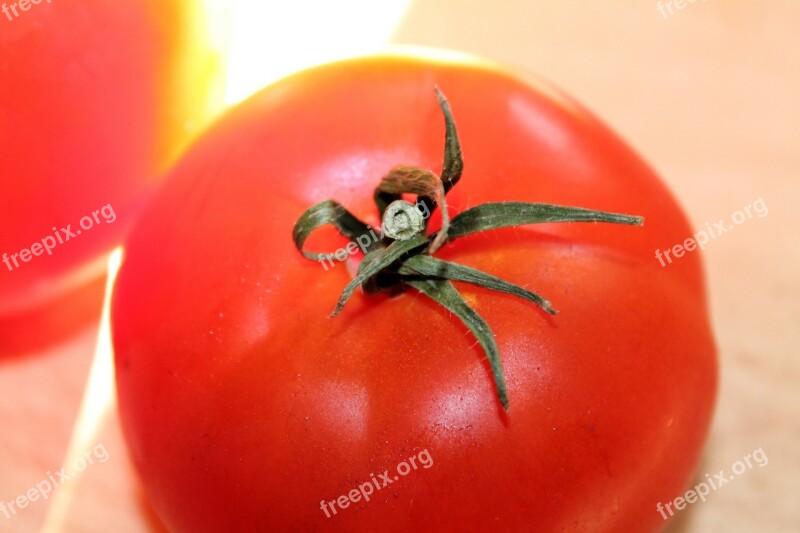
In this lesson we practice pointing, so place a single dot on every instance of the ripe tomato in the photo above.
(97, 98)
(247, 409)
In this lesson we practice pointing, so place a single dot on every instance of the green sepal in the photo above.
(445, 294)
(496, 215)
(425, 265)
(324, 213)
(378, 260)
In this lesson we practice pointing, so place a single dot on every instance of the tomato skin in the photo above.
(244, 405)
(93, 109)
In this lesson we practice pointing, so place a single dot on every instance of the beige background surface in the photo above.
(711, 97)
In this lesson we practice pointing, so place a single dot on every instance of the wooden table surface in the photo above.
(710, 95)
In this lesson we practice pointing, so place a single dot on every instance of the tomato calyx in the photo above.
(402, 256)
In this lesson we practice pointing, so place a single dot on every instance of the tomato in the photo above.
(97, 98)
(246, 408)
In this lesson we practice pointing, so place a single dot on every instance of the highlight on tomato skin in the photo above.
(246, 408)
(98, 99)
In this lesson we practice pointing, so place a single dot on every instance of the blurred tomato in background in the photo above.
(97, 98)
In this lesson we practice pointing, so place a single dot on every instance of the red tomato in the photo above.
(247, 409)
(97, 97)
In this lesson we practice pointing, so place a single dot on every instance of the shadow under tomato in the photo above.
(150, 516)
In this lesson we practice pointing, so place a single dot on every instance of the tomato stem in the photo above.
(403, 254)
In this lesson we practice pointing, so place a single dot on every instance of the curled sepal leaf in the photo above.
(405, 179)
(321, 214)
(376, 261)
(452, 167)
(506, 214)
(425, 265)
(445, 294)
(428, 187)
(453, 161)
